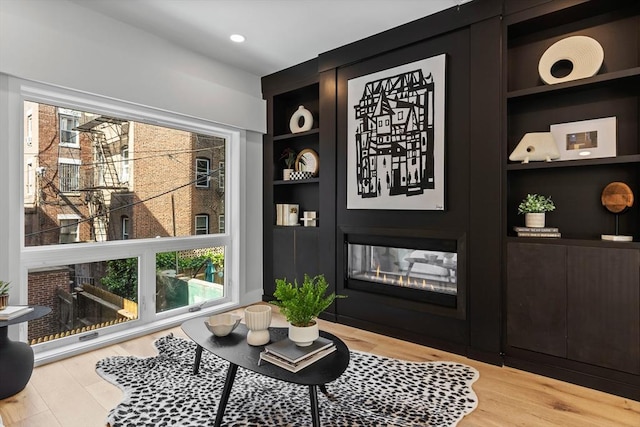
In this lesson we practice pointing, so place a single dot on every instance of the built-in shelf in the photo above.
(634, 158)
(623, 75)
(296, 135)
(296, 181)
(576, 242)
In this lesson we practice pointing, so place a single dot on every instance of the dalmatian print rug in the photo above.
(373, 391)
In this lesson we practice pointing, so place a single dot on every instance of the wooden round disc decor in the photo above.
(617, 197)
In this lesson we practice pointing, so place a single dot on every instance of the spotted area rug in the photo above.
(373, 391)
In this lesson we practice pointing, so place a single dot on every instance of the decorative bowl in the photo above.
(222, 325)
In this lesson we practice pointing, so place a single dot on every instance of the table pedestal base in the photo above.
(16, 364)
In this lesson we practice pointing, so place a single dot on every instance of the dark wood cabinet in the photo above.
(572, 303)
(537, 298)
(292, 251)
(603, 307)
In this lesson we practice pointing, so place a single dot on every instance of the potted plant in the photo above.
(4, 294)
(289, 157)
(534, 207)
(301, 305)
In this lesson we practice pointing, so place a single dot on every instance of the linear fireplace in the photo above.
(425, 269)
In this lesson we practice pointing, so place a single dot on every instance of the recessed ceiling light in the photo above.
(238, 38)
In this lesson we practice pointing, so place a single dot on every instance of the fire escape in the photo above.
(108, 136)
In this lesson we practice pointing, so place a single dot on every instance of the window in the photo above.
(69, 175)
(29, 138)
(131, 243)
(124, 174)
(202, 224)
(221, 175)
(221, 224)
(202, 172)
(125, 227)
(68, 230)
(68, 136)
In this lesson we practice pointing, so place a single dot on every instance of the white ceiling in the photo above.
(279, 33)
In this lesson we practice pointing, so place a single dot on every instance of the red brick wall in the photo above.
(42, 291)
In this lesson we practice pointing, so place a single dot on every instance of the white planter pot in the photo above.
(304, 336)
(286, 174)
(534, 219)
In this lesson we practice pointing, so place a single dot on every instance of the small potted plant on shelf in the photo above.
(289, 157)
(534, 207)
(4, 294)
(302, 304)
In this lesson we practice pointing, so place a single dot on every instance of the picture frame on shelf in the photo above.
(586, 139)
(308, 161)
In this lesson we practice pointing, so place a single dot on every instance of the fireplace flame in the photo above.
(400, 281)
(384, 278)
(378, 271)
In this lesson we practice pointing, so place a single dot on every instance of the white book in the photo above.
(295, 367)
(289, 351)
(13, 311)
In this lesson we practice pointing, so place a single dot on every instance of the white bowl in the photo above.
(221, 325)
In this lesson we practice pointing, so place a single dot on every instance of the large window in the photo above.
(116, 197)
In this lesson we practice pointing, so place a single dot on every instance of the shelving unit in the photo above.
(544, 277)
(290, 251)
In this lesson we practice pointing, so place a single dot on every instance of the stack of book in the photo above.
(13, 311)
(286, 354)
(287, 214)
(537, 231)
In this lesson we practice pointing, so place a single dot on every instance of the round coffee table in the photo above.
(234, 349)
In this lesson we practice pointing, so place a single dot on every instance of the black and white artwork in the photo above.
(395, 142)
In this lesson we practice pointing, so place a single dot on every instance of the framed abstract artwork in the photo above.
(395, 137)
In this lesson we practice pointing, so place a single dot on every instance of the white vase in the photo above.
(304, 336)
(286, 174)
(534, 220)
(294, 123)
(257, 318)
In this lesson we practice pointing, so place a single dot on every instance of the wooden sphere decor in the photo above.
(617, 197)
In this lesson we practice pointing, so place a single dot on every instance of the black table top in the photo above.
(37, 312)
(234, 348)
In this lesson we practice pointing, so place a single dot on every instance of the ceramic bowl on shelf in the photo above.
(222, 325)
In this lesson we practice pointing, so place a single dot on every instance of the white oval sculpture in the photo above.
(294, 123)
(585, 54)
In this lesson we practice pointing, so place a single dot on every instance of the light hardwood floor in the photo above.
(69, 393)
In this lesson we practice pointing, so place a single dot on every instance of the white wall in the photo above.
(60, 43)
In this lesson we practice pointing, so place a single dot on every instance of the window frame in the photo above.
(144, 249)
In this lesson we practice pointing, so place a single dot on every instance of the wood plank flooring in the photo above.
(70, 394)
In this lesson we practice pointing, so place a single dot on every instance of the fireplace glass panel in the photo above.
(424, 270)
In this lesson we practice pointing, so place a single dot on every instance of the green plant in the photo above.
(4, 287)
(535, 203)
(301, 304)
(289, 157)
